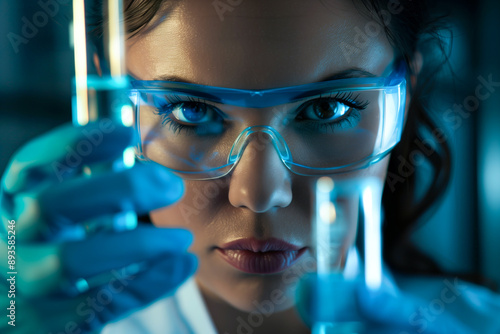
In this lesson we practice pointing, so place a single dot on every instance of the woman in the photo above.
(240, 215)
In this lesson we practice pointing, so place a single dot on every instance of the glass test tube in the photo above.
(330, 229)
(100, 91)
(100, 96)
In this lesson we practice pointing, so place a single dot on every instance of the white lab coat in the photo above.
(182, 313)
(185, 312)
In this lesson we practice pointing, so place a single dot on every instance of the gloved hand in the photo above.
(45, 194)
(332, 299)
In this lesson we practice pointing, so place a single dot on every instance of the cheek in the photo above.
(200, 203)
(200, 211)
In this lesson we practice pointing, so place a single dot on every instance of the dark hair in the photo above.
(413, 29)
(410, 25)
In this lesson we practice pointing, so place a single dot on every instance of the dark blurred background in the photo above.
(36, 69)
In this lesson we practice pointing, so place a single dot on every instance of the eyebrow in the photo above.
(346, 74)
(349, 74)
(172, 78)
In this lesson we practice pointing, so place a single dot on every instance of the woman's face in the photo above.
(255, 45)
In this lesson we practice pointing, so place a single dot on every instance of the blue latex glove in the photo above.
(334, 299)
(46, 195)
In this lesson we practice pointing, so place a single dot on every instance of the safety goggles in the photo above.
(322, 128)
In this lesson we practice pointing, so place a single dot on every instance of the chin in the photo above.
(263, 293)
(263, 298)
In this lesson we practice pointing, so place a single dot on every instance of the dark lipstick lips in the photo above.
(260, 256)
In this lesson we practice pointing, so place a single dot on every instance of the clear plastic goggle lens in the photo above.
(336, 130)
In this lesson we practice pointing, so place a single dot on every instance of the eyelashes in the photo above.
(188, 114)
(340, 110)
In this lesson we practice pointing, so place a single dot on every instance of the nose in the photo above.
(260, 181)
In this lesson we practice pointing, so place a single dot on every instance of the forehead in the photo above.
(257, 44)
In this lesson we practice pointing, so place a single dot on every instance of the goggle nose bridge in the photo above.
(244, 139)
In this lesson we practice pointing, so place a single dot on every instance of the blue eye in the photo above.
(188, 114)
(325, 110)
(193, 113)
(331, 112)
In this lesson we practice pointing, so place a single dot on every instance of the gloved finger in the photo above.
(22, 211)
(332, 299)
(405, 312)
(57, 154)
(107, 251)
(42, 267)
(143, 188)
(43, 315)
(121, 295)
(37, 268)
(46, 315)
(128, 293)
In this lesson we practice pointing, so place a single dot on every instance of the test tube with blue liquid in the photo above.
(100, 95)
(100, 90)
(334, 229)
